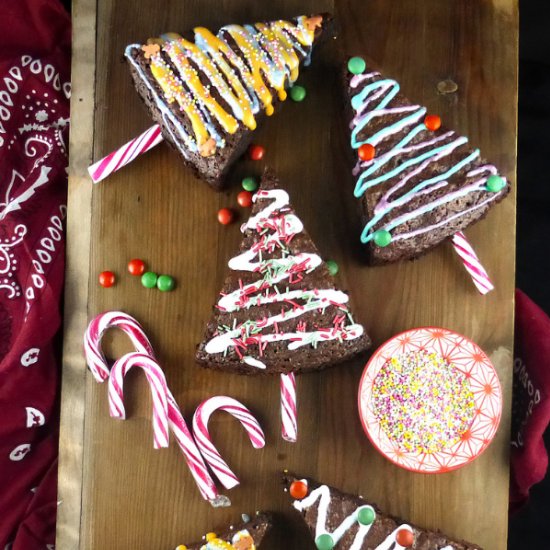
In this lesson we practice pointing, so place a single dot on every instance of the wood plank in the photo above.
(133, 496)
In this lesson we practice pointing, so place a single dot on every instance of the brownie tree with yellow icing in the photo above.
(208, 94)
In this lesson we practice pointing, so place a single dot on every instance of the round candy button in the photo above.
(366, 515)
(404, 537)
(225, 216)
(244, 198)
(324, 542)
(366, 152)
(382, 237)
(298, 93)
(332, 267)
(432, 122)
(256, 152)
(165, 283)
(298, 489)
(149, 279)
(495, 184)
(107, 279)
(356, 65)
(136, 267)
(249, 184)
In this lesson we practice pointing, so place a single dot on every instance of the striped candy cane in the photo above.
(95, 331)
(289, 410)
(125, 154)
(159, 392)
(100, 369)
(472, 264)
(202, 436)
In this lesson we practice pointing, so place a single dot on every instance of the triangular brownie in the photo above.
(248, 535)
(209, 92)
(279, 311)
(418, 182)
(348, 522)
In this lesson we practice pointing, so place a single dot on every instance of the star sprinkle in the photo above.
(208, 148)
(312, 23)
(150, 50)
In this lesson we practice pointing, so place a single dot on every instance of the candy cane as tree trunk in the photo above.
(200, 429)
(125, 154)
(471, 263)
(289, 409)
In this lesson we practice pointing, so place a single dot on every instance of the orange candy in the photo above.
(298, 489)
(244, 198)
(366, 152)
(404, 538)
(432, 122)
(225, 216)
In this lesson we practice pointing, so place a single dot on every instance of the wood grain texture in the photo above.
(136, 497)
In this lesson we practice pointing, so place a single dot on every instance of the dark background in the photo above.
(528, 528)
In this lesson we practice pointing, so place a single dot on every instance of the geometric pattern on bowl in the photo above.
(467, 357)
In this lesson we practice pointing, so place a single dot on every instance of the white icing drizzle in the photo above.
(322, 494)
(277, 226)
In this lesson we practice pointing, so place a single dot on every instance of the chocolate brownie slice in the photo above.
(247, 535)
(208, 92)
(279, 310)
(342, 521)
(417, 182)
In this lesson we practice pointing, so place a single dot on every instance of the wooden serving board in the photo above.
(116, 490)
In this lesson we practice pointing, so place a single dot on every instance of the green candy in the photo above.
(298, 93)
(356, 65)
(495, 184)
(324, 542)
(366, 515)
(166, 283)
(332, 267)
(382, 237)
(249, 184)
(149, 279)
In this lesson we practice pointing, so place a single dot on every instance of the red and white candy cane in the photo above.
(202, 436)
(159, 392)
(289, 409)
(125, 154)
(97, 328)
(471, 263)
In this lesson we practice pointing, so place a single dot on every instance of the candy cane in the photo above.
(159, 391)
(95, 331)
(289, 410)
(125, 154)
(100, 369)
(200, 430)
(471, 263)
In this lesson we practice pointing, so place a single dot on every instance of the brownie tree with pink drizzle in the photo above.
(279, 311)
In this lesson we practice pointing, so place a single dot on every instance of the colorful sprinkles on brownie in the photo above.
(423, 403)
(208, 94)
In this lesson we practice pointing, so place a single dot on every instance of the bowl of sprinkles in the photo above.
(430, 400)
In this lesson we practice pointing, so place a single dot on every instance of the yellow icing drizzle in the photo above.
(270, 53)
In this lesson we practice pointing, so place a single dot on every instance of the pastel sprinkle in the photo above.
(423, 403)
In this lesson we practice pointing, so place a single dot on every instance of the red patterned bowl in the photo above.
(472, 361)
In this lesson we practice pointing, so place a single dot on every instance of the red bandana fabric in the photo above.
(531, 402)
(34, 123)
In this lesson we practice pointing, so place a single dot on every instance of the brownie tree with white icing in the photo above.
(341, 521)
(418, 183)
(279, 311)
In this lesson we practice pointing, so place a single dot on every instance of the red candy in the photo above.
(106, 279)
(256, 152)
(136, 267)
(432, 122)
(298, 489)
(225, 216)
(366, 152)
(404, 538)
(244, 198)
